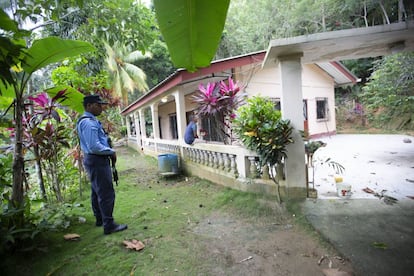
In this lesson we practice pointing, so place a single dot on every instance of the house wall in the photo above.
(266, 82)
(316, 84)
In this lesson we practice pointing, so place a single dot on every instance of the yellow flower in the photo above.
(250, 133)
(17, 68)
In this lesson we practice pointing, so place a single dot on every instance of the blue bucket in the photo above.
(168, 163)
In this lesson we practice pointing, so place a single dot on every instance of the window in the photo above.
(305, 110)
(132, 126)
(322, 109)
(159, 127)
(212, 129)
(173, 126)
(276, 102)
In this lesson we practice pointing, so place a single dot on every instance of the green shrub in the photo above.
(261, 129)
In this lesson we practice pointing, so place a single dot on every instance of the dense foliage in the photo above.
(389, 94)
(125, 75)
(158, 68)
(250, 25)
(260, 127)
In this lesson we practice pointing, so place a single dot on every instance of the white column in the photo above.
(128, 125)
(155, 121)
(292, 109)
(181, 119)
(142, 123)
(138, 129)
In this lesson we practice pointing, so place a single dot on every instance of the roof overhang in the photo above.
(183, 76)
(344, 44)
(341, 75)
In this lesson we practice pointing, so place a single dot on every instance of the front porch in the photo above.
(232, 166)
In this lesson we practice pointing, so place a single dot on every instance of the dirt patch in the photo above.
(245, 247)
(231, 244)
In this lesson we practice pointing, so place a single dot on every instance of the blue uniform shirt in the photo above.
(93, 139)
(189, 132)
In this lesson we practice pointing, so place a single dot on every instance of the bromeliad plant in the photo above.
(46, 134)
(218, 102)
(261, 129)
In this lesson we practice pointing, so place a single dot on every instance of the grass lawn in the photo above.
(175, 219)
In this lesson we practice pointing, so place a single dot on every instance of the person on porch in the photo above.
(191, 131)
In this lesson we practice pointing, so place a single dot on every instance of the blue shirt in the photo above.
(93, 139)
(189, 132)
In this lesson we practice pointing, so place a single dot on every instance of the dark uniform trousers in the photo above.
(99, 170)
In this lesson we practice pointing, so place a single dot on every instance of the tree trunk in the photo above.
(323, 19)
(55, 178)
(387, 20)
(18, 158)
(39, 172)
(402, 15)
(365, 14)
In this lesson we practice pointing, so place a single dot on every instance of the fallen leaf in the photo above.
(246, 259)
(71, 237)
(368, 190)
(322, 258)
(134, 245)
(380, 245)
(390, 200)
(335, 272)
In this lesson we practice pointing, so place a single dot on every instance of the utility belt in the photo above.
(98, 155)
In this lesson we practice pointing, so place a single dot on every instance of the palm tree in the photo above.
(126, 76)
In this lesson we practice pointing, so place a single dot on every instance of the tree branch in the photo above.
(50, 22)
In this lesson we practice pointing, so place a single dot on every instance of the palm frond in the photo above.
(127, 82)
(138, 76)
(126, 76)
(117, 84)
(136, 56)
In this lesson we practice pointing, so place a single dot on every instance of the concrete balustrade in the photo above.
(228, 165)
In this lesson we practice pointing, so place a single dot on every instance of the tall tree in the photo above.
(389, 94)
(125, 75)
(158, 67)
(244, 33)
(250, 25)
(126, 22)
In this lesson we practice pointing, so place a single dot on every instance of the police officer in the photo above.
(97, 157)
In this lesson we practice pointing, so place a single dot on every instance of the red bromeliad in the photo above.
(218, 102)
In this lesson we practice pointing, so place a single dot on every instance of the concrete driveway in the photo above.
(376, 235)
(377, 162)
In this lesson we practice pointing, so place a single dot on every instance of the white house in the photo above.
(299, 73)
(162, 114)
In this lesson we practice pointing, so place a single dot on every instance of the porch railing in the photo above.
(232, 161)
